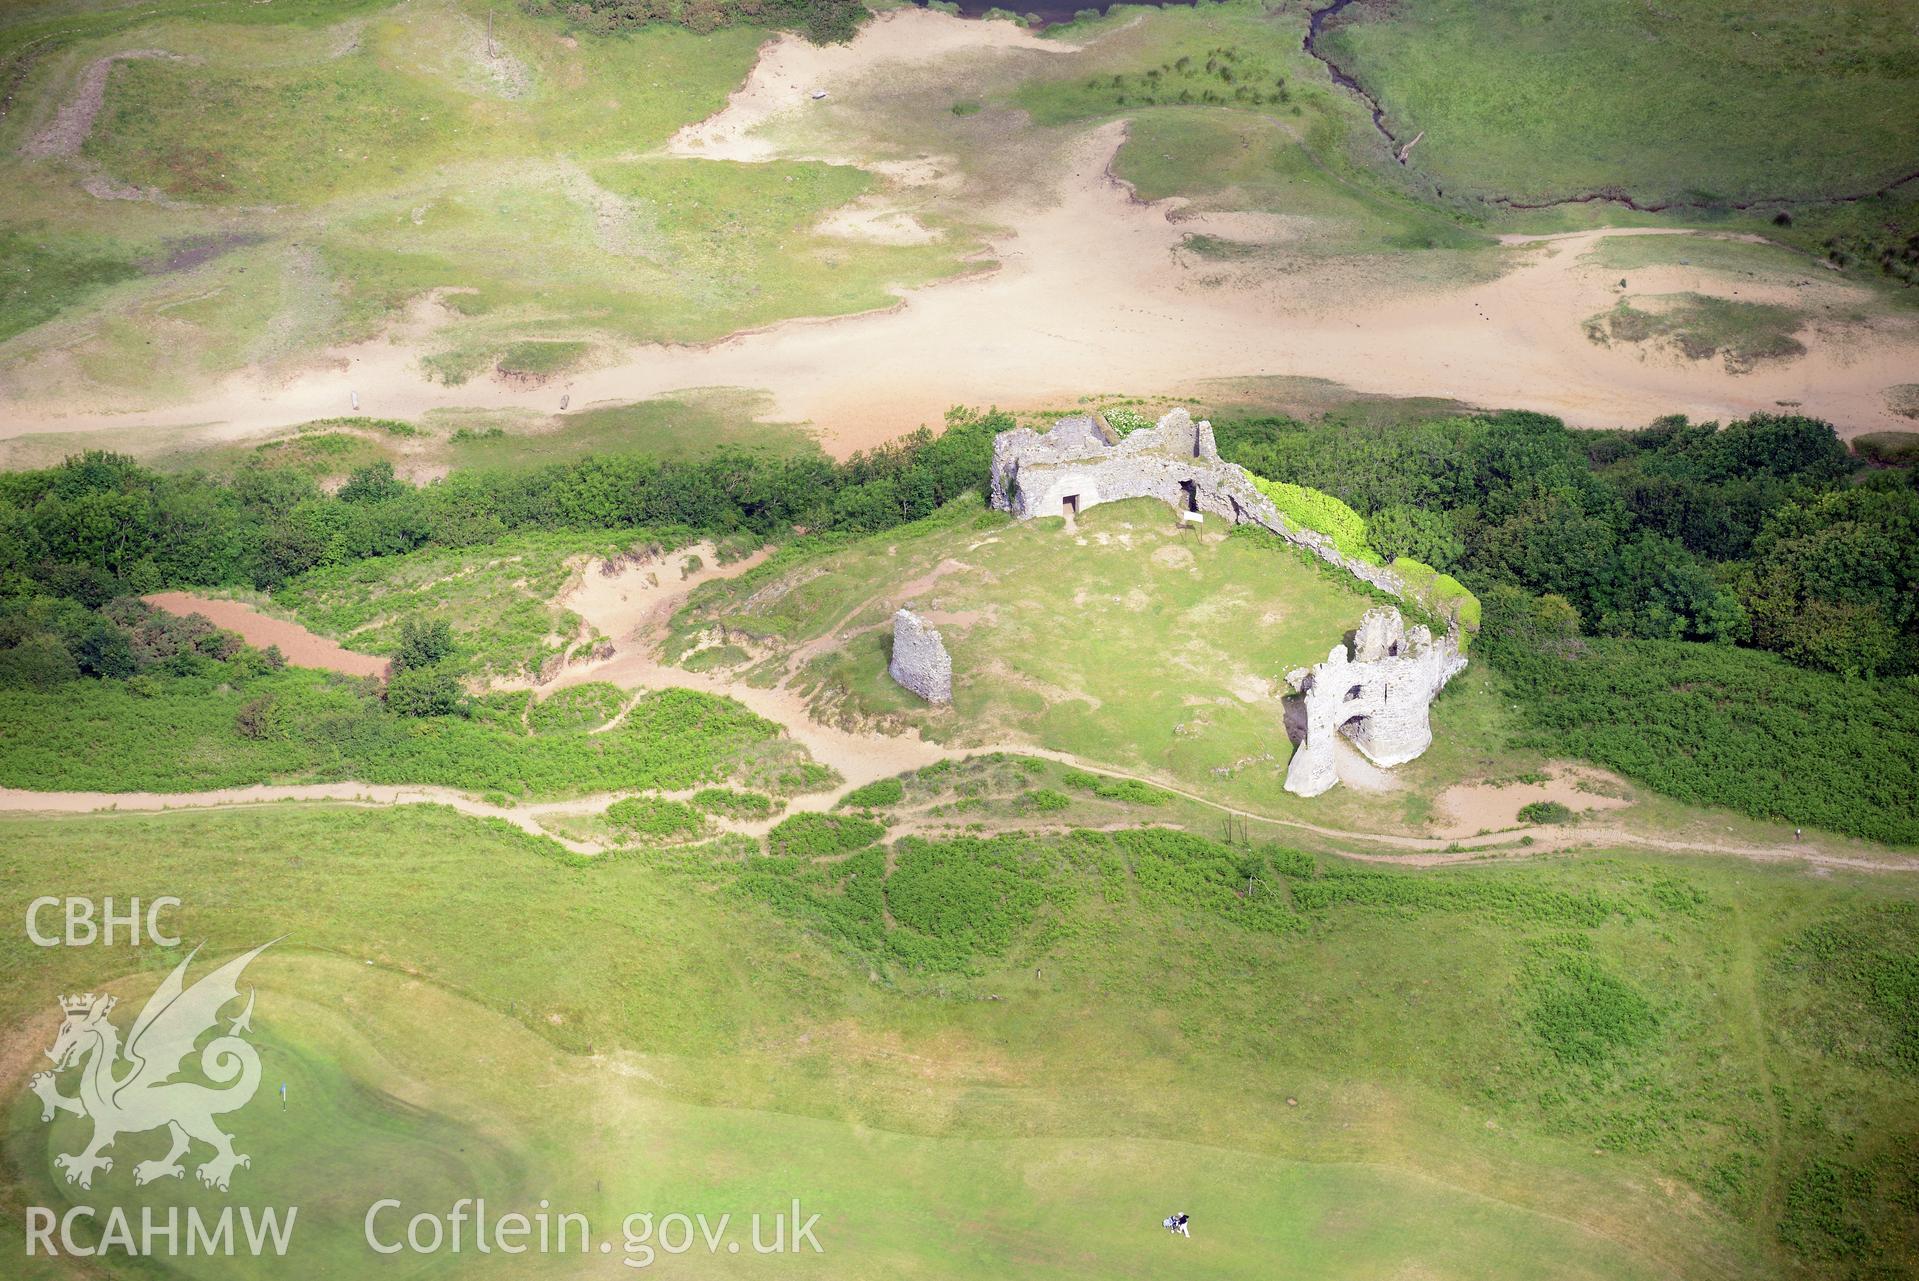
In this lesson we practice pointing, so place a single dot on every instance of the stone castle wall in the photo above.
(920, 661)
(1033, 474)
(1379, 696)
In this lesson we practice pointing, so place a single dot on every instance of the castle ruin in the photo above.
(1379, 697)
(920, 661)
(1082, 462)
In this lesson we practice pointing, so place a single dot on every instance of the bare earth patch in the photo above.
(1467, 809)
(301, 647)
(874, 221)
(628, 598)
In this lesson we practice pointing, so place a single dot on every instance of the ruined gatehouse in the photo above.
(1082, 462)
(1379, 696)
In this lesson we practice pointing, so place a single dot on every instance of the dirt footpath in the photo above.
(70, 127)
(301, 647)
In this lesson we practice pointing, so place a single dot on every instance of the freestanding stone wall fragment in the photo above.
(1379, 697)
(920, 661)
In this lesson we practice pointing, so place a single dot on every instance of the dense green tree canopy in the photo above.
(1748, 533)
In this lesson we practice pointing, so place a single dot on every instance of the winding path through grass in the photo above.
(862, 758)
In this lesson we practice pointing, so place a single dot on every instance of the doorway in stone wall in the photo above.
(1069, 506)
(1189, 495)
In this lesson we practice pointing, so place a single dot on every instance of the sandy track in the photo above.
(301, 647)
(635, 603)
(1095, 294)
(24, 802)
(1406, 851)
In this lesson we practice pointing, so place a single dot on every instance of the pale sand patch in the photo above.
(1466, 809)
(628, 599)
(1092, 293)
(875, 221)
(301, 647)
(960, 619)
(1248, 688)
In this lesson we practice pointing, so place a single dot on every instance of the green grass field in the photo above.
(1609, 1067)
(1694, 101)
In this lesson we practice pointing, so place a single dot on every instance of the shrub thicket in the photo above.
(1129, 790)
(1680, 531)
(1716, 725)
(818, 835)
(650, 818)
(734, 804)
(875, 795)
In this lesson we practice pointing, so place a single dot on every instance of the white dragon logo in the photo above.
(145, 1097)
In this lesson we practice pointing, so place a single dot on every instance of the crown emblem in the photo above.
(84, 1004)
